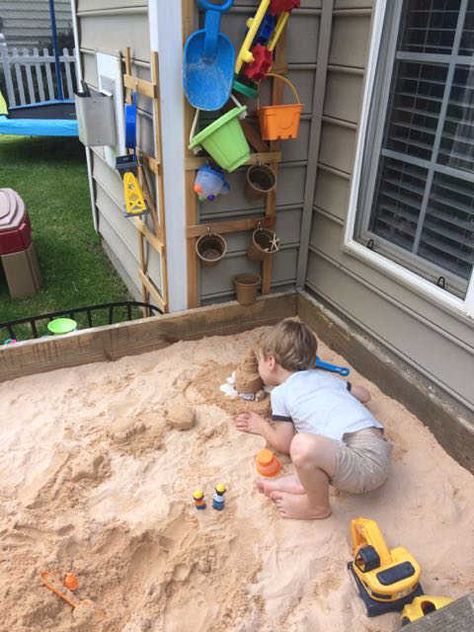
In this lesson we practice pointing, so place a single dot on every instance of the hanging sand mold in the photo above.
(260, 180)
(211, 248)
(264, 244)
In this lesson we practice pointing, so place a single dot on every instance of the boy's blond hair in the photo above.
(292, 344)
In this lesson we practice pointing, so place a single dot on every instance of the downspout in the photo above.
(165, 25)
(79, 77)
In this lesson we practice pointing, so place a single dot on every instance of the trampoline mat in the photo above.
(46, 111)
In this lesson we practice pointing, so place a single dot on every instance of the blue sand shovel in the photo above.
(326, 366)
(209, 59)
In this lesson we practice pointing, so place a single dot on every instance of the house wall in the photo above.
(434, 340)
(109, 26)
(27, 22)
(302, 50)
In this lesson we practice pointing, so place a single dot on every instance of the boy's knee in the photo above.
(305, 450)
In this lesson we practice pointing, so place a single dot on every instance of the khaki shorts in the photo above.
(362, 461)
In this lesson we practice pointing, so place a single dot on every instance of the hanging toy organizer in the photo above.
(264, 154)
(151, 228)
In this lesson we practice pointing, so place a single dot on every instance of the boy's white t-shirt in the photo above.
(320, 404)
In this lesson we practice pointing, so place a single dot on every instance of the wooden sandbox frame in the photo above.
(452, 424)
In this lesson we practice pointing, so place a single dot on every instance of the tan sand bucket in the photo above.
(246, 287)
(264, 244)
(259, 181)
(211, 248)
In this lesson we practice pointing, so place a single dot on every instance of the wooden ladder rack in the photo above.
(153, 237)
(194, 229)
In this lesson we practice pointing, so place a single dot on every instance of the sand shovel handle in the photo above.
(285, 80)
(48, 579)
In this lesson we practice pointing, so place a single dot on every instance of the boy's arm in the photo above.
(279, 436)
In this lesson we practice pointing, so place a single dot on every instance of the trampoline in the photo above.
(56, 117)
(47, 118)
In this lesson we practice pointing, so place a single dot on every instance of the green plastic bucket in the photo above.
(224, 140)
(60, 326)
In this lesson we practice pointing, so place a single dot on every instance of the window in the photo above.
(415, 201)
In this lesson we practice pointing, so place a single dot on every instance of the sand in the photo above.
(95, 479)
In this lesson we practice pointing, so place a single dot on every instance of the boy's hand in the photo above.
(250, 422)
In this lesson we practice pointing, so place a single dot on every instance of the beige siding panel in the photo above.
(332, 194)
(343, 96)
(123, 228)
(326, 237)
(429, 350)
(105, 5)
(353, 4)
(337, 146)
(89, 69)
(121, 257)
(350, 40)
(112, 33)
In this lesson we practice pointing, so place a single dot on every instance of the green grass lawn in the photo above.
(51, 176)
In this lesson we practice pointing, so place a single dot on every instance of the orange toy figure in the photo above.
(267, 463)
(199, 501)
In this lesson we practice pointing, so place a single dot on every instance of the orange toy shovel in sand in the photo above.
(50, 582)
(267, 463)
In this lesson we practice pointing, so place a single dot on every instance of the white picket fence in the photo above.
(30, 74)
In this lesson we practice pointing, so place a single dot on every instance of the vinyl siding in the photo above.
(433, 340)
(109, 26)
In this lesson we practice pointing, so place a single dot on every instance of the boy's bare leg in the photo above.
(290, 484)
(314, 458)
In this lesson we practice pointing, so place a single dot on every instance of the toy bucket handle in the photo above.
(288, 83)
(192, 131)
(210, 6)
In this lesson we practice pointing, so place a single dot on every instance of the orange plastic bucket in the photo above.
(280, 122)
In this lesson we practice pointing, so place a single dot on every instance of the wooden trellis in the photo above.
(153, 237)
(270, 156)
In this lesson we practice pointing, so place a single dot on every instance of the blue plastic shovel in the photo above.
(209, 59)
(326, 366)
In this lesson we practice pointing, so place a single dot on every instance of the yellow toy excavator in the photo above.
(387, 579)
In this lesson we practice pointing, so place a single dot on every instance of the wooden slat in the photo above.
(192, 260)
(142, 86)
(229, 226)
(152, 163)
(154, 240)
(194, 162)
(152, 290)
(112, 342)
(254, 137)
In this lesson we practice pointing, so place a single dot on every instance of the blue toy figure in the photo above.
(218, 501)
(210, 182)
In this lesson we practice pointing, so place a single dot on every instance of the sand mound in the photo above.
(96, 478)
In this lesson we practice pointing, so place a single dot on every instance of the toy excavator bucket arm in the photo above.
(366, 532)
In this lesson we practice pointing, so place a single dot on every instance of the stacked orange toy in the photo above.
(267, 463)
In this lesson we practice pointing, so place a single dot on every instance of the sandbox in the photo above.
(95, 479)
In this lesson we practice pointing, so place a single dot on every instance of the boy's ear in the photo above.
(271, 362)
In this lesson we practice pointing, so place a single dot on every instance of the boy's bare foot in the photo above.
(298, 506)
(290, 484)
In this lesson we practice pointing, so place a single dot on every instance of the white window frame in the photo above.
(418, 284)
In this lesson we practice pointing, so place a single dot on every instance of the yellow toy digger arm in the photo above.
(365, 531)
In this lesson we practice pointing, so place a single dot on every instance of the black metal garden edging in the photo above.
(72, 313)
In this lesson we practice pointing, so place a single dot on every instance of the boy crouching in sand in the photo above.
(331, 437)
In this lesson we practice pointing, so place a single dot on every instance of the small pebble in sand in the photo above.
(181, 416)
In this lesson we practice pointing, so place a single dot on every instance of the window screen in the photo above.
(416, 202)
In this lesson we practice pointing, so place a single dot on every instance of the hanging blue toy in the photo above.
(210, 182)
(209, 59)
(131, 123)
